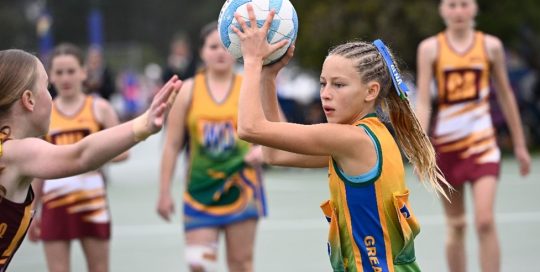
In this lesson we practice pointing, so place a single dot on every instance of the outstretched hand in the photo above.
(153, 119)
(162, 103)
(255, 47)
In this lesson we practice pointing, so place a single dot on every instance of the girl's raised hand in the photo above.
(271, 70)
(253, 41)
(153, 119)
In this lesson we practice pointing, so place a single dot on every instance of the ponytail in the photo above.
(414, 143)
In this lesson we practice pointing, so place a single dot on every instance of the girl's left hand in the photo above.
(254, 157)
(524, 159)
(271, 70)
(255, 47)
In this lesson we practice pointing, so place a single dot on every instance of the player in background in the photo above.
(462, 61)
(74, 208)
(25, 112)
(223, 185)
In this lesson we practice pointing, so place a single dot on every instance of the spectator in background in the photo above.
(132, 94)
(100, 79)
(180, 61)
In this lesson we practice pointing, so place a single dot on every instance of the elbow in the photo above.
(246, 133)
(253, 131)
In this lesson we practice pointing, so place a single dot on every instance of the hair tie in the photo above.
(399, 84)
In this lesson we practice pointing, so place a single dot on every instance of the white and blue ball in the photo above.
(284, 25)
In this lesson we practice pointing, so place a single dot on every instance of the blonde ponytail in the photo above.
(414, 143)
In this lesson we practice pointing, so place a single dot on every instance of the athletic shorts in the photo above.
(75, 207)
(458, 170)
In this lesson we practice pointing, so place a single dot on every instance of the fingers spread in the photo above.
(268, 21)
(165, 90)
(241, 22)
(251, 16)
(176, 90)
(159, 112)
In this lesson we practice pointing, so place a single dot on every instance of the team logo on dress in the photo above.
(461, 85)
(405, 211)
(217, 137)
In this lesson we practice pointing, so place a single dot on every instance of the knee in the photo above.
(201, 258)
(485, 223)
(98, 269)
(238, 261)
(58, 268)
(240, 265)
(457, 227)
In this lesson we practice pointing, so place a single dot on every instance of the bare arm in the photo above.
(320, 139)
(174, 141)
(272, 113)
(107, 117)
(33, 157)
(425, 58)
(507, 100)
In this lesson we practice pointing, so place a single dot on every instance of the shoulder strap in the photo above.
(5, 131)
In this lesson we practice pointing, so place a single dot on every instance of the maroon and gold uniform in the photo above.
(74, 207)
(463, 134)
(15, 219)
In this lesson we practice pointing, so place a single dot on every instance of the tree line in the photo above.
(151, 24)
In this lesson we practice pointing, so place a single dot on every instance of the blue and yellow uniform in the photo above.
(221, 187)
(372, 227)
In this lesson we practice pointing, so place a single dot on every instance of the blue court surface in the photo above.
(293, 236)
